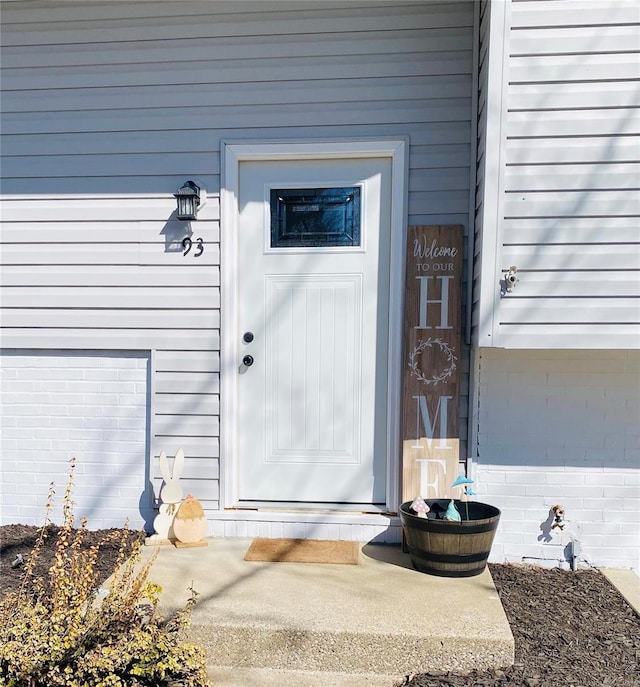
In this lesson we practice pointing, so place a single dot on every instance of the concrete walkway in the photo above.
(267, 624)
(627, 583)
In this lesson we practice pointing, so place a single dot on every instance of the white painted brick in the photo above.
(101, 399)
(66, 374)
(241, 529)
(586, 414)
(345, 533)
(215, 528)
(119, 388)
(129, 422)
(624, 492)
(288, 530)
(526, 478)
(229, 529)
(102, 374)
(58, 411)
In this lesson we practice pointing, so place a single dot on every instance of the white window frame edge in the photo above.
(232, 153)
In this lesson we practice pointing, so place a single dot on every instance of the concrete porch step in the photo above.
(222, 676)
(379, 617)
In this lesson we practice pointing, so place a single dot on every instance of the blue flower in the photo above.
(461, 480)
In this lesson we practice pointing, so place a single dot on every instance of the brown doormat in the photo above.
(303, 551)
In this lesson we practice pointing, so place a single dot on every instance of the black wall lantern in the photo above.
(188, 197)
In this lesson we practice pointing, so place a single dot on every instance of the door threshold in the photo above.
(311, 508)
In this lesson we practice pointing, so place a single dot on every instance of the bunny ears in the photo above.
(171, 492)
(178, 466)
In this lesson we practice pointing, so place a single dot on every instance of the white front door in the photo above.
(313, 323)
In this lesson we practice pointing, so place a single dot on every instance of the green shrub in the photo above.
(64, 631)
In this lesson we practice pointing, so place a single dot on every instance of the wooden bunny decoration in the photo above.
(170, 497)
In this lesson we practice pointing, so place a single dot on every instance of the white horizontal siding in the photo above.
(594, 14)
(574, 39)
(107, 276)
(109, 107)
(580, 150)
(224, 21)
(236, 94)
(97, 208)
(569, 202)
(559, 96)
(569, 230)
(602, 176)
(562, 284)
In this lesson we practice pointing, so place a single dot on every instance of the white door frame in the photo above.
(232, 154)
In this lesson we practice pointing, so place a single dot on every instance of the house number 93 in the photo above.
(187, 244)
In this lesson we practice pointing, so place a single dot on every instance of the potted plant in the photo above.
(449, 537)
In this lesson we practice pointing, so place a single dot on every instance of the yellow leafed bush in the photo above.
(64, 632)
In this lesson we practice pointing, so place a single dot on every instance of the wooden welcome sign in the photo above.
(431, 389)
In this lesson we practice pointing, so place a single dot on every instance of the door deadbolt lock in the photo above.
(247, 337)
(247, 361)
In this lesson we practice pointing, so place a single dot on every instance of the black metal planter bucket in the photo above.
(449, 548)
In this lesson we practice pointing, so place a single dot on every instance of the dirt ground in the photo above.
(570, 629)
(20, 539)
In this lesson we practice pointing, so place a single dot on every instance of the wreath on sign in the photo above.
(444, 348)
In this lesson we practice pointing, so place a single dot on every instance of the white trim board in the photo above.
(232, 154)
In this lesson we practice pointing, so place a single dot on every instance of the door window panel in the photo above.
(315, 217)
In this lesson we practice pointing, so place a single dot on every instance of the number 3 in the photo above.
(187, 243)
(200, 248)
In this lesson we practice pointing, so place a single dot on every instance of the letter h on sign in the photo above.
(425, 301)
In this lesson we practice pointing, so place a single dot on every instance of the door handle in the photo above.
(248, 337)
(247, 361)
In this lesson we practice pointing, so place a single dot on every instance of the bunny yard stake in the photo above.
(179, 521)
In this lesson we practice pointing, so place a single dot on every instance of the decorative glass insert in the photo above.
(315, 217)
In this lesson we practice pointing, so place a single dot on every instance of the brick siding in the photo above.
(92, 406)
(561, 427)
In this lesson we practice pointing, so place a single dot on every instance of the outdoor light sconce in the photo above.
(188, 197)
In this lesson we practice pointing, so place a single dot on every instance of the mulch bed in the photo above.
(20, 539)
(570, 629)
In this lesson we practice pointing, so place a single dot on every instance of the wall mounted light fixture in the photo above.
(188, 197)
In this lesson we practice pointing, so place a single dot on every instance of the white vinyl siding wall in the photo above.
(567, 187)
(109, 107)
